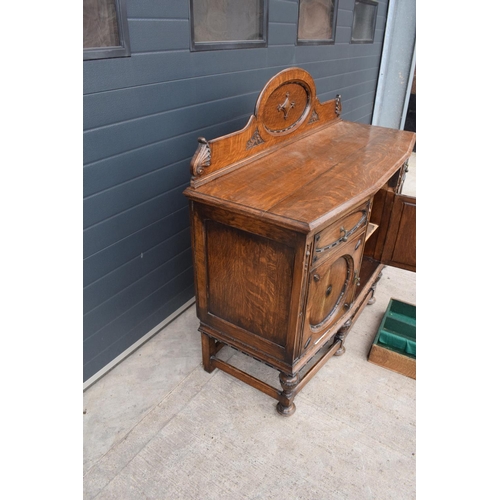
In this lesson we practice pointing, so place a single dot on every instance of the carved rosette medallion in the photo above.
(201, 158)
(255, 140)
(286, 106)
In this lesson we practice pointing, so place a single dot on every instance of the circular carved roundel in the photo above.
(287, 107)
(327, 293)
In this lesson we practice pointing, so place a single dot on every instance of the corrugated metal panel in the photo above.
(142, 117)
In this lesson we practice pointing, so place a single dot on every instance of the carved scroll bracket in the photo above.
(338, 105)
(201, 158)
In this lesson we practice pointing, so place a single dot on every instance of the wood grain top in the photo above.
(314, 177)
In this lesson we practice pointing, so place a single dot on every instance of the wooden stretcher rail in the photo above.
(245, 377)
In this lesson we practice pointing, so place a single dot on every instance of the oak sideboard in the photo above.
(293, 219)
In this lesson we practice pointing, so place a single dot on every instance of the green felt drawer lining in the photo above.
(402, 308)
(397, 342)
(398, 330)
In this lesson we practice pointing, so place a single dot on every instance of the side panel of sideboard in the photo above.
(249, 278)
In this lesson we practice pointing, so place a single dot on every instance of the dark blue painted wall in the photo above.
(142, 117)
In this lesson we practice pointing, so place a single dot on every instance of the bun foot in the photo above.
(372, 301)
(340, 351)
(286, 411)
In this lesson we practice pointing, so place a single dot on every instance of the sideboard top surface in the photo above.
(313, 175)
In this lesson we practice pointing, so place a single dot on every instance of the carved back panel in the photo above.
(286, 108)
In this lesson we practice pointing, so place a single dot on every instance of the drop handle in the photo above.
(343, 237)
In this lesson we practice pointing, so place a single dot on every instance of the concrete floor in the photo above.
(159, 427)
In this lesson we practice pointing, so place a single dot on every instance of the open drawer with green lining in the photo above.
(395, 344)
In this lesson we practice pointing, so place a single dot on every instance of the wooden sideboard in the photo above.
(293, 219)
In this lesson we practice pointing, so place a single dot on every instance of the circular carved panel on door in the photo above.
(328, 291)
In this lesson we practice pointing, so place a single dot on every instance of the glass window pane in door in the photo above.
(100, 24)
(315, 19)
(227, 20)
(363, 26)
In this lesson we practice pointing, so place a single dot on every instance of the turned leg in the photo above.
(341, 334)
(208, 349)
(286, 406)
(372, 290)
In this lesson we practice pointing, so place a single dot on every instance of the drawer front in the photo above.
(339, 233)
(331, 290)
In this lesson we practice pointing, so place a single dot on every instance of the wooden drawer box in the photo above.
(395, 344)
(341, 231)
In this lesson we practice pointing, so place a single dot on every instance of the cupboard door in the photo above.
(400, 249)
(331, 290)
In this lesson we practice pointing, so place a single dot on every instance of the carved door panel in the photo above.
(400, 248)
(331, 290)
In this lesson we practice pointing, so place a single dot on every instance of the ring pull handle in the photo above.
(343, 237)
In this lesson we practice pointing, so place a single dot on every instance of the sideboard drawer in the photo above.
(340, 232)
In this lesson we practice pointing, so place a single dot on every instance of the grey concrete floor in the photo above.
(159, 427)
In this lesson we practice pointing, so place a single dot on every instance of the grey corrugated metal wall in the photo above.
(142, 117)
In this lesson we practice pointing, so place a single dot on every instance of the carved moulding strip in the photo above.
(201, 158)
(255, 140)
